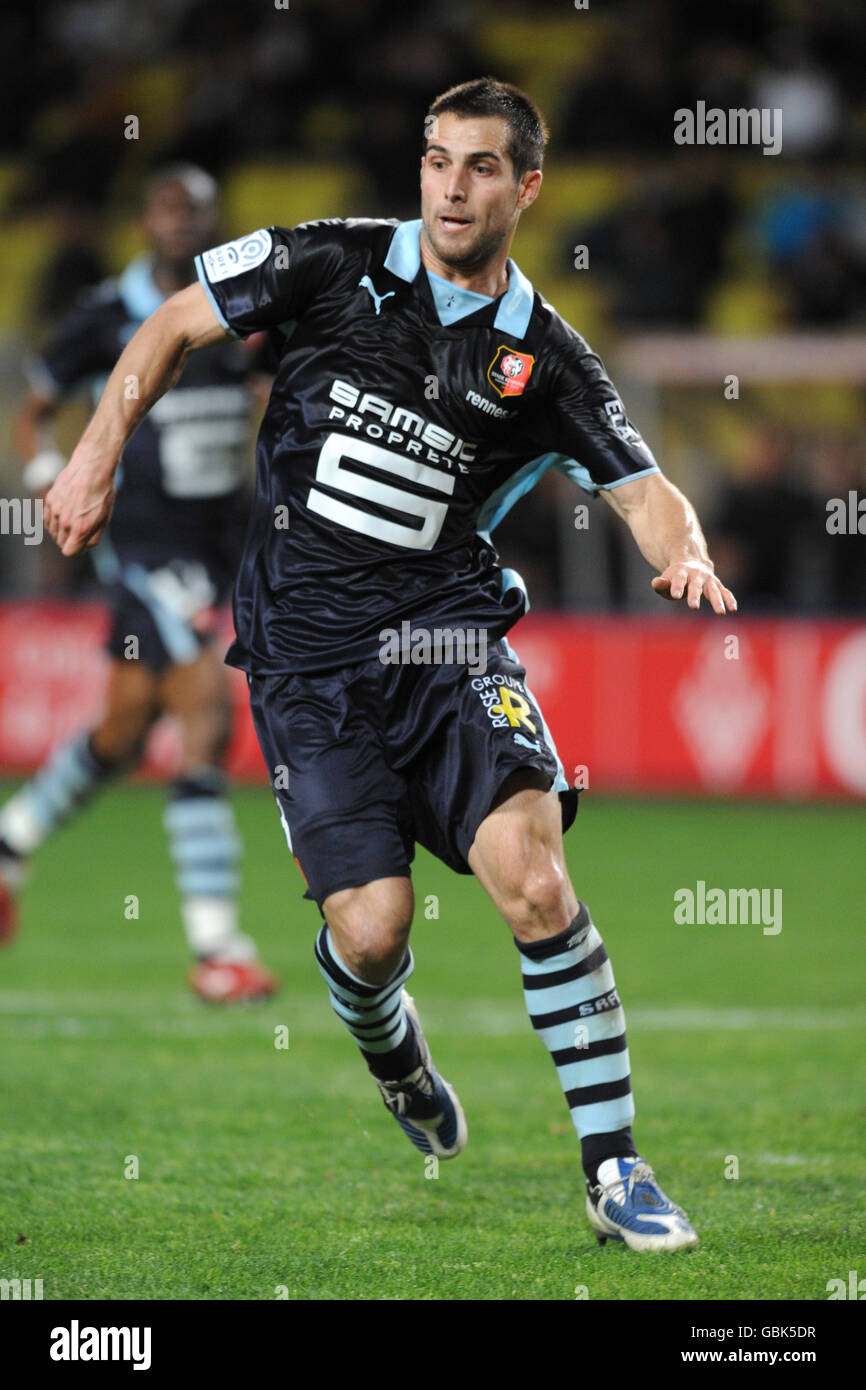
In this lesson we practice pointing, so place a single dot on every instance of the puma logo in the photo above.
(527, 743)
(365, 283)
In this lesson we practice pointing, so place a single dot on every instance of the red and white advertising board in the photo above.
(689, 705)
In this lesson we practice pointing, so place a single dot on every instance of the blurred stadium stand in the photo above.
(317, 109)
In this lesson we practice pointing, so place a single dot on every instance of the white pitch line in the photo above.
(69, 1013)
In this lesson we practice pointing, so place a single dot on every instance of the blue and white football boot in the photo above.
(425, 1107)
(626, 1203)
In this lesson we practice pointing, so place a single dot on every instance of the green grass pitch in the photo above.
(268, 1172)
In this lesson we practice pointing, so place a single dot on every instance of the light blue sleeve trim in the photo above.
(606, 487)
(503, 499)
(404, 253)
(576, 473)
(221, 318)
(513, 579)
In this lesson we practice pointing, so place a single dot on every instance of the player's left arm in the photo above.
(668, 534)
(588, 423)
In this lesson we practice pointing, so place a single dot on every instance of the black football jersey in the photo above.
(183, 489)
(386, 434)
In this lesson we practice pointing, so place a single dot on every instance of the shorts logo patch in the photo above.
(233, 258)
(505, 705)
(509, 371)
(515, 708)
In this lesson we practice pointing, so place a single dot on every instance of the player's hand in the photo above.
(695, 580)
(78, 506)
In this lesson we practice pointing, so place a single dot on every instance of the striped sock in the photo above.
(205, 847)
(574, 1008)
(60, 788)
(373, 1014)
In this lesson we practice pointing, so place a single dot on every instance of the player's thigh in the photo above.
(461, 736)
(518, 858)
(131, 707)
(344, 810)
(196, 694)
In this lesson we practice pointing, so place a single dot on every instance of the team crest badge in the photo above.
(509, 371)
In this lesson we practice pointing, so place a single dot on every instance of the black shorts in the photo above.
(163, 615)
(368, 760)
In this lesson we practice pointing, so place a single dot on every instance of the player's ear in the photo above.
(528, 188)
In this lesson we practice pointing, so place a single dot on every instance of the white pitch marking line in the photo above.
(161, 1013)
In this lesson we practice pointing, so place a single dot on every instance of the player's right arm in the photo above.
(78, 507)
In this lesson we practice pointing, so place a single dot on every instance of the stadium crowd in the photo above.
(709, 239)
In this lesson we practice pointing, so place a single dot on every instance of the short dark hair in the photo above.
(487, 96)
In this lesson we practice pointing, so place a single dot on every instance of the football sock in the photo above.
(63, 784)
(574, 1008)
(596, 1149)
(373, 1014)
(205, 847)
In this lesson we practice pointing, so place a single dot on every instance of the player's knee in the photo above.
(371, 934)
(540, 894)
(373, 951)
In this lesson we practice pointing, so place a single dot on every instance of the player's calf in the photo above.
(573, 1005)
(381, 1017)
(205, 847)
(575, 1009)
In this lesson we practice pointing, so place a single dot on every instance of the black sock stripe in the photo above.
(577, 1013)
(584, 967)
(605, 1090)
(376, 1023)
(398, 1062)
(367, 1008)
(605, 1047)
(596, 1147)
(555, 945)
(206, 785)
(378, 1037)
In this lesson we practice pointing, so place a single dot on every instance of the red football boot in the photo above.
(232, 981)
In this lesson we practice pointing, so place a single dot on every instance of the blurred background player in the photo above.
(167, 562)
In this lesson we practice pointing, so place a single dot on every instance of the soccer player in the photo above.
(421, 377)
(169, 558)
